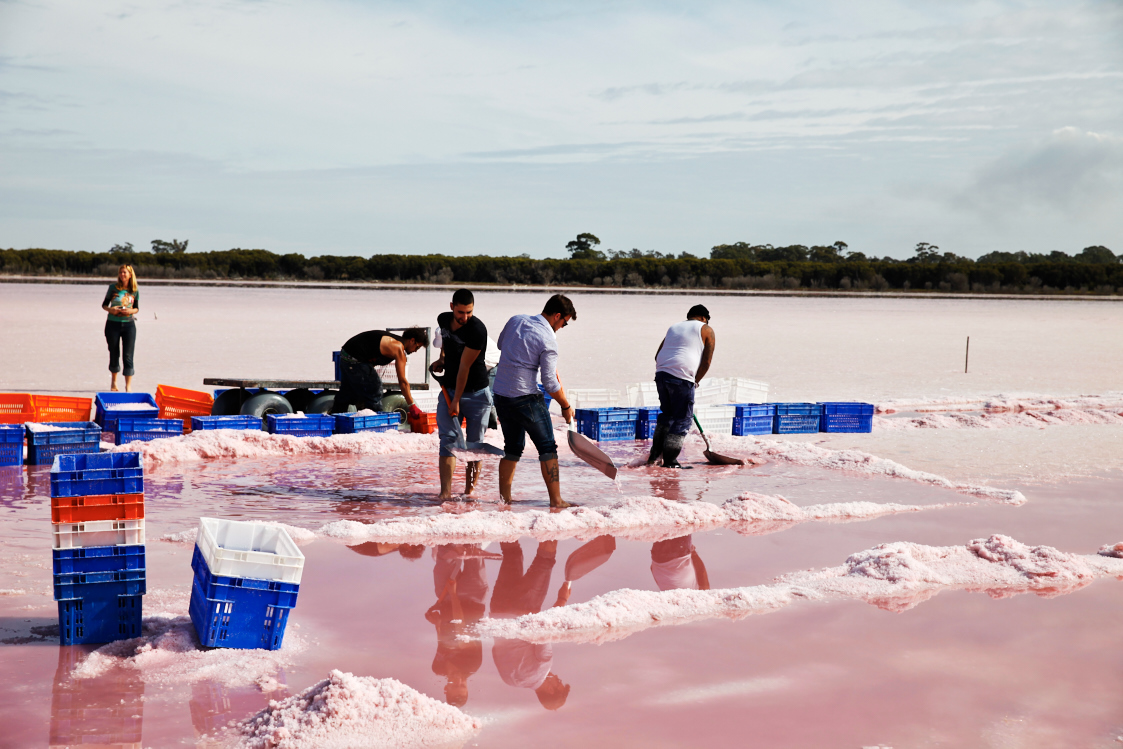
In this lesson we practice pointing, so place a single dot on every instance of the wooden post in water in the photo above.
(967, 355)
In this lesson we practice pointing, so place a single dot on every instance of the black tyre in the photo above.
(228, 403)
(263, 404)
(395, 402)
(299, 399)
(322, 403)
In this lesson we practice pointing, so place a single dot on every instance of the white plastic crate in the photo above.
(426, 400)
(235, 548)
(712, 391)
(97, 533)
(747, 391)
(643, 395)
(716, 419)
(594, 398)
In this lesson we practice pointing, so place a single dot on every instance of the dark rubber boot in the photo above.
(657, 444)
(672, 446)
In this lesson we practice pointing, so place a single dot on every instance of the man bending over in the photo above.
(681, 361)
(359, 383)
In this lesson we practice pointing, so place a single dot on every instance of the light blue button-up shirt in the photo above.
(526, 345)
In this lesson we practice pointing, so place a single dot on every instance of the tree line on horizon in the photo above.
(741, 265)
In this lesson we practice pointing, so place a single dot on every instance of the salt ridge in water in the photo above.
(1111, 401)
(300, 536)
(634, 518)
(894, 577)
(345, 711)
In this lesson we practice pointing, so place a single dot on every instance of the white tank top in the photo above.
(682, 350)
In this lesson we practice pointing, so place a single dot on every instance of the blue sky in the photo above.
(348, 127)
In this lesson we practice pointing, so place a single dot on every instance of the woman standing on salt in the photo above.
(121, 302)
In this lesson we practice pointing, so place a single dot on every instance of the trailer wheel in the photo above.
(395, 402)
(264, 404)
(228, 403)
(322, 403)
(299, 399)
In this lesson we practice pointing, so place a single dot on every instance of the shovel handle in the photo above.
(701, 431)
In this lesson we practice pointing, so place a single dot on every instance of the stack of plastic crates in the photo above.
(607, 424)
(796, 418)
(715, 419)
(247, 577)
(592, 399)
(142, 430)
(753, 418)
(378, 422)
(97, 517)
(846, 417)
(47, 441)
(108, 407)
(645, 422)
(297, 425)
(96, 711)
(11, 444)
(205, 423)
(181, 403)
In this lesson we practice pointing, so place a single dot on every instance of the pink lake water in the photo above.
(997, 666)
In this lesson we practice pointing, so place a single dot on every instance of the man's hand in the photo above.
(567, 414)
(454, 407)
(438, 366)
(414, 411)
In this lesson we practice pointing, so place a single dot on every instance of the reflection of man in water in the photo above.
(520, 663)
(460, 583)
(675, 564)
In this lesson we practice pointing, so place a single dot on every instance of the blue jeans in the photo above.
(475, 408)
(676, 403)
(359, 385)
(525, 415)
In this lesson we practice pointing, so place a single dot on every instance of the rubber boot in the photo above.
(672, 446)
(657, 440)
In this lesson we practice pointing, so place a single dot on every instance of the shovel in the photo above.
(586, 449)
(470, 451)
(715, 458)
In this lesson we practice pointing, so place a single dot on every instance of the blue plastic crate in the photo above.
(846, 417)
(379, 422)
(242, 589)
(545, 395)
(97, 619)
(71, 437)
(97, 473)
(244, 624)
(645, 423)
(309, 425)
(107, 416)
(335, 362)
(796, 418)
(607, 424)
(11, 444)
(98, 559)
(143, 430)
(83, 585)
(753, 418)
(203, 423)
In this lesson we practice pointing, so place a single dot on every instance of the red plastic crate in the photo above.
(16, 408)
(97, 507)
(181, 403)
(51, 408)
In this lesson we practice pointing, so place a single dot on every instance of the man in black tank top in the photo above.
(359, 383)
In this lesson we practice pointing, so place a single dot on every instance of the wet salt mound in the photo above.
(345, 710)
(894, 577)
(300, 536)
(804, 453)
(235, 443)
(1026, 418)
(634, 518)
(1111, 401)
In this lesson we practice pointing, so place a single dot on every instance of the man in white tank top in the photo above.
(682, 360)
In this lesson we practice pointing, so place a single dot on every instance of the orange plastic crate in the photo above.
(16, 408)
(181, 403)
(427, 424)
(97, 507)
(51, 408)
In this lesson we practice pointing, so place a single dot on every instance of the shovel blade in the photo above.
(587, 450)
(722, 460)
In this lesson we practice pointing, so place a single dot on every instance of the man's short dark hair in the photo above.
(416, 334)
(558, 303)
(464, 296)
(698, 311)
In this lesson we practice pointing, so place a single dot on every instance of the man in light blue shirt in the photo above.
(528, 346)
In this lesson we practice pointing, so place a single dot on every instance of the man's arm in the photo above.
(709, 341)
(468, 356)
(660, 348)
(391, 347)
(547, 363)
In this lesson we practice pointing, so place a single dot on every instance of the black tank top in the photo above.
(367, 347)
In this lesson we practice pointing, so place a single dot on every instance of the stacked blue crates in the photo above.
(247, 578)
(129, 429)
(753, 418)
(295, 425)
(607, 424)
(846, 417)
(204, 423)
(645, 422)
(46, 441)
(796, 418)
(98, 561)
(379, 422)
(108, 407)
(11, 444)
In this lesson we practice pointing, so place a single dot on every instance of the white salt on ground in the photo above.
(300, 536)
(345, 710)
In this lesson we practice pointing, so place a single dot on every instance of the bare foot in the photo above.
(113, 389)
(443, 497)
(561, 505)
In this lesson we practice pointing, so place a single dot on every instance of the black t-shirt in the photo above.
(366, 347)
(471, 335)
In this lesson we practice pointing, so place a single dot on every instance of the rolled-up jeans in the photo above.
(523, 415)
(475, 408)
(121, 338)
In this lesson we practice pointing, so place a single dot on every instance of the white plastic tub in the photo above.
(235, 548)
(712, 391)
(593, 398)
(97, 533)
(747, 391)
(643, 395)
(716, 419)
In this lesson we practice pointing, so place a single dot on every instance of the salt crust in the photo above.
(300, 536)
(894, 577)
(1111, 401)
(345, 710)
(210, 444)
(634, 518)
(12, 592)
(804, 453)
(37, 427)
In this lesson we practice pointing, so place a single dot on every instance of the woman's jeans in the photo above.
(120, 335)
(525, 415)
(475, 408)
